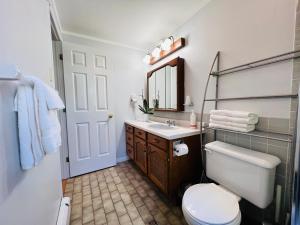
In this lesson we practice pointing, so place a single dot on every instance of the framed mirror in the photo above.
(165, 86)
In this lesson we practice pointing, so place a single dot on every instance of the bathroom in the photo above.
(151, 97)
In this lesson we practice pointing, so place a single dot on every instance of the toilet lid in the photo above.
(211, 204)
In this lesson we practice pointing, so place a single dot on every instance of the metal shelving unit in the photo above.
(215, 72)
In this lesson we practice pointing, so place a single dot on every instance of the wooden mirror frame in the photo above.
(179, 62)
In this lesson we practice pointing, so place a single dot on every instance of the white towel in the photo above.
(31, 150)
(240, 129)
(47, 104)
(230, 124)
(238, 114)
(249, 120)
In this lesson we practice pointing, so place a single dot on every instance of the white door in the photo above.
(91, 134)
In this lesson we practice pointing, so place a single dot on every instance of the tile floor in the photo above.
(119, 195)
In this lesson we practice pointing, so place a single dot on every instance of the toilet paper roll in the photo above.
(181, 149)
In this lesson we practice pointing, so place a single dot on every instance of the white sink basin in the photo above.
(161, 126)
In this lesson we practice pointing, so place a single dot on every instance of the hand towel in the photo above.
(238, 114)
(31, 150)
(230, 124)
(250, 120)
(247, 129)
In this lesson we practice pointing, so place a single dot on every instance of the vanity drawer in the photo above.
(129, 139)
(140, 133)
(130, 151)
(158, 142)
(129, 129)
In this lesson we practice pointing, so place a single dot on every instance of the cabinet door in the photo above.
(141, 154)
(158, 167)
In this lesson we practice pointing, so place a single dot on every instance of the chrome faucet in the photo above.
(171, 122)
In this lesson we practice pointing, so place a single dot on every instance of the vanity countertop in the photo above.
(163, 130)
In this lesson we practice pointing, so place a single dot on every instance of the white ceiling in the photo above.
(136, 23)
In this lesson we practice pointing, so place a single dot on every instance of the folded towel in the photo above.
(241, 125)
(240, 129)
(238, 114)
(31, 149)
(250, 120)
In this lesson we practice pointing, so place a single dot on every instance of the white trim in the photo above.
(55, 17)
(64, 212)
(122, 159)
(101, 40)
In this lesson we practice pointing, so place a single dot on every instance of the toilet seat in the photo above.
(210, 204)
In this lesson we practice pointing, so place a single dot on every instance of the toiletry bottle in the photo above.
(193, 120)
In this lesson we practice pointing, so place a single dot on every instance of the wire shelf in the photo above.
(250, 97)
(260, 134)
(259, 63)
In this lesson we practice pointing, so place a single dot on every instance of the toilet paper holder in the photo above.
(174, 146)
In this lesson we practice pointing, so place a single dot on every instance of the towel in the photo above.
(230, 124)
(249, 120)
(47, 103)
(236, 114)
(31, 149)
(240, 129)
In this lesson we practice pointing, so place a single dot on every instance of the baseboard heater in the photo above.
(64, 212)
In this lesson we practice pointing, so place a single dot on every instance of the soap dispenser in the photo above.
(193, 120)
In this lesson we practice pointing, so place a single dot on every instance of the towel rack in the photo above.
(9, 72)
(251, 65)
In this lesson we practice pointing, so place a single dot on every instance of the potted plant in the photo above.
(146, 110)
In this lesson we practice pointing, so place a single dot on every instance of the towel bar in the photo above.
(9, 72)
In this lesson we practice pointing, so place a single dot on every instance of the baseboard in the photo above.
(122, 159)
(64, 212)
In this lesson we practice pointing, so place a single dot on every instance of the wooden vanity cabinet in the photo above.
(154, 156)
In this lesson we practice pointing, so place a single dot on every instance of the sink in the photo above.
(161, 126)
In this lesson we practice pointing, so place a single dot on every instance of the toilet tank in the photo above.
(245, 172)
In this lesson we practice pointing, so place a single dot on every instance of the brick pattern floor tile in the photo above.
(119, 195)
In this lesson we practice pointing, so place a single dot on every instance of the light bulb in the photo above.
(147, 59)
(166, 45)
(156, 52)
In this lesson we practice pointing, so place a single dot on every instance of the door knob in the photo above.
(110, 115)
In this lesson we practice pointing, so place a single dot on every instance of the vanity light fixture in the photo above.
(164, 49)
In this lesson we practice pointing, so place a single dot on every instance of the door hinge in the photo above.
(61, 57)
(64, 110)
(67, 159)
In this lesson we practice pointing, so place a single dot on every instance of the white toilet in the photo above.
(240, 172)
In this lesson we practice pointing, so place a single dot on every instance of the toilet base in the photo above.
(190, 221)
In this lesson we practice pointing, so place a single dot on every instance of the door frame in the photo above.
(58, 74)
(60, 86)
